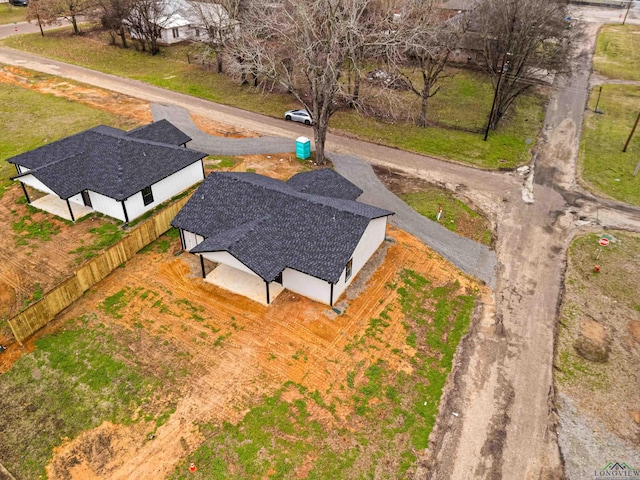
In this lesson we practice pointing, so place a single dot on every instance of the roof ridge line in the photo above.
(308, 197)
(49, 164)
(247, 227)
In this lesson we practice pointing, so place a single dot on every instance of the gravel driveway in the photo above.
(471, 257)
(498, 420)
(219, 145)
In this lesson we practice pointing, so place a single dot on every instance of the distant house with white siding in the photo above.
(107, 170)
(188, 20)
(307, 235)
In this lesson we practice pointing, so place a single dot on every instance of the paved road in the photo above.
(19, 28)
(501, 389)
(605, 15)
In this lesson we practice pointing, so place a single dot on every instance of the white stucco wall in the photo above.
(108, 206)
(165, 189)
(306, 285)
(302, 283)
(35, 183)
(191, 240)
(22, 169)
(184, 33)
(371, 239)
(77, 199)
(228, 259)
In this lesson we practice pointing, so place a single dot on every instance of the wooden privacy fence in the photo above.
(240, 167)
(36, 316)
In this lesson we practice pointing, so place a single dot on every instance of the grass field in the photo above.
(100, 382)
(464, 101)
(32, 119)
(603, 165)
(454, 212)
(618, 52)
(427, 198)
(600, 315)
(11, 14)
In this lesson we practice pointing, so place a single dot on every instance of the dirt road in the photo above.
(497, 420)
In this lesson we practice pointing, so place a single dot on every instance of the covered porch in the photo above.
(244, 284)
(62, 208)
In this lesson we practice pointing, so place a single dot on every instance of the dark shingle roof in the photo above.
(104, 160)
(325, 182)
(161, 131)
(268, 225)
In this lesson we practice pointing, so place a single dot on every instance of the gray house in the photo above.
(307, 235)
(107, 170)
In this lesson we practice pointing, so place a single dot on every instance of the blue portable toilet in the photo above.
(303, 148)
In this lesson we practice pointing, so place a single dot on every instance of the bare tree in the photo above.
(373, 44)
(35, 11)
(71, 9)
(425, 41)
(49, 12)
(146, 20)
(112, 15)
(220, 23)
(304, 47)
(523, 41)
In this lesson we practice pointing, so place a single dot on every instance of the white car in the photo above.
(301, 116)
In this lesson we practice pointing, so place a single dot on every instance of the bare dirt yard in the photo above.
(94, 97)
(39, 250)
(106, 100)
(354, 371)
(154, 368)
(597, 360)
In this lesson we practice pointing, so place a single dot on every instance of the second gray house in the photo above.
(307, 235)
(107, 170)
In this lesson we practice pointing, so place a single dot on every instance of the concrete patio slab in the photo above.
(54, 204)
(243, 283)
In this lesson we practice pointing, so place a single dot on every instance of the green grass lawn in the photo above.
(11, 14)
(454, 213)
(427, 198)
(464, 101)
(31, 119)
(609, 300)
(604, 167)
(618, 52)
(505, 148)
(101, 382)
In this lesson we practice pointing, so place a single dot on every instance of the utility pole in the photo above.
(495, 94)
(598, 101)
(628, 8)
(633, 130)
(505, 63)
